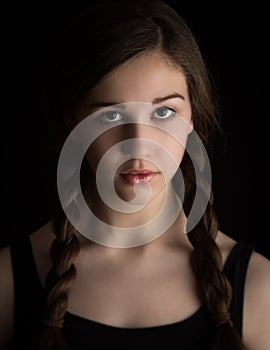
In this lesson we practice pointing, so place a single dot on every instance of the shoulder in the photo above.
(41, 241)
(257, 303)
(256, 308)
(6, 297)
(5, 261)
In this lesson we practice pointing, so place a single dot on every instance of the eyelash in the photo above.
(104, 115)
(165, 120)
(161, 120)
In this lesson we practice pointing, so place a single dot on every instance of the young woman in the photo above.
(146, 266)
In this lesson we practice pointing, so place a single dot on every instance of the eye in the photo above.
(111, 116)
(163, 113)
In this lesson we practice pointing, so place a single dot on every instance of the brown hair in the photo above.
(96, 42)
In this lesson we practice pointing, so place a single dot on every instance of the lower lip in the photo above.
(138, 179)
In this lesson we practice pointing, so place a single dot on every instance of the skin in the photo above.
(137, 82)
(143, 273)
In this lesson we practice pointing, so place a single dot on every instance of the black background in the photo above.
(233, 44)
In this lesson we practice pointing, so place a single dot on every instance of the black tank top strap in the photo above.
(29, 294)
(235, 269)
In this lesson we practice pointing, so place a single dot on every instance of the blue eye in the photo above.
(164, 113)
(111, 116)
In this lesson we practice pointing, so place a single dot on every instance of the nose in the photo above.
(138, 143)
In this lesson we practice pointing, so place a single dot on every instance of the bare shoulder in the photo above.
(258, 281)
(41, 241)
(256, 311)
(258, 270)
(6, 298)
(42, 238)
(256, 321)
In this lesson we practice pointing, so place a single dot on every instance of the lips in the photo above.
(139, 176)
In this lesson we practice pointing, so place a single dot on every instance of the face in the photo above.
(139, 102)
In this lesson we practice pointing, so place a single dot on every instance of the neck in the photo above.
(137, 216)
(161, 221)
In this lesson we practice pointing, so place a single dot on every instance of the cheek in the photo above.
(174, 148)
(94, 153)
(101, 145)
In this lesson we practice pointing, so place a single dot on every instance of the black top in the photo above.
(193, 333)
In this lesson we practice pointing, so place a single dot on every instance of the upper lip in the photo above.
(139, 171)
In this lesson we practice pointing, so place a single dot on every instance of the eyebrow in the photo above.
(168, 97)
(155, 101)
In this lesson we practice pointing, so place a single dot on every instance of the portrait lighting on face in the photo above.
(161, 146)
(133, 255)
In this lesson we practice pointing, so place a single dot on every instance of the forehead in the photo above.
(141, 79)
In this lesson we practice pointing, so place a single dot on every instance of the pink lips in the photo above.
(138, 176)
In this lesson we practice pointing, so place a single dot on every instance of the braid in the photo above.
(214, 288)
(64, 250)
